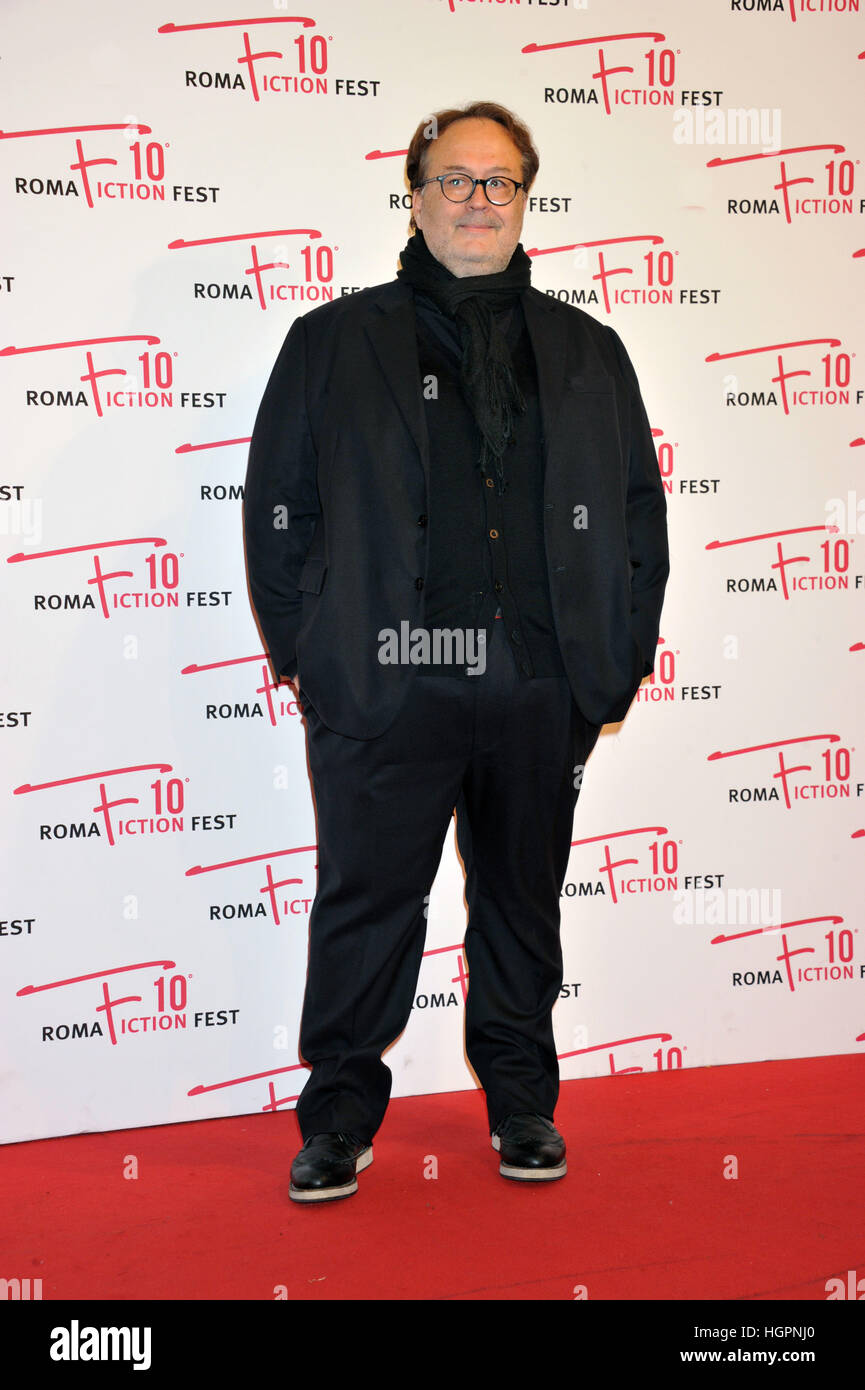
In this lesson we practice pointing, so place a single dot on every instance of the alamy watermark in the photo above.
(847, 516)
(735, 125)
(434, 646)
(722, 907)
(20, 516)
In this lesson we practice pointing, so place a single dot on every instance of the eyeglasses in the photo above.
(459, 188)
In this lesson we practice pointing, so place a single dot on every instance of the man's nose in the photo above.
(479, 198)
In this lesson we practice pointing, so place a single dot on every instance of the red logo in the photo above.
(827, 568)
(151, 388)
(830, 185)
(316, 274)
(310, 59)
(834, 775)
(655, 270)
(833, 378)
(657, 71)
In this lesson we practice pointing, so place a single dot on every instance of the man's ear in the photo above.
(416, 205)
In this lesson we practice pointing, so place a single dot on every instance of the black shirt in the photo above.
(486, 551)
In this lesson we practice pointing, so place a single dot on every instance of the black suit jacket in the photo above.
(336, 496)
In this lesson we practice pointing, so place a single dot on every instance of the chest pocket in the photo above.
(595, 382)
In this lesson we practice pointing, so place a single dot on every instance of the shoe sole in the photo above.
(510, 1170)
(332, 1194)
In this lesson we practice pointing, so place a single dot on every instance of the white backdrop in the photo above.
(178, 184)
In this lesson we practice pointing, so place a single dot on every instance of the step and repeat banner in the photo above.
(179, 183)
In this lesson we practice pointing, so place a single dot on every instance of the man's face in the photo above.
(473, 238)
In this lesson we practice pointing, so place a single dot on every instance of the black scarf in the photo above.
(486, 372)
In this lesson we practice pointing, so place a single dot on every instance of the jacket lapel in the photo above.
(548, 333)
(392, 331)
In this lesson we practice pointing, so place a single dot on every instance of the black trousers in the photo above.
(504, 752)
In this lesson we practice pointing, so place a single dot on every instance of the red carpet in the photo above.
(644, 1213)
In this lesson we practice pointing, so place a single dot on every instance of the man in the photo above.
(456, 539)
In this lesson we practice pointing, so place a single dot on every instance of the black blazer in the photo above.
(336, 492)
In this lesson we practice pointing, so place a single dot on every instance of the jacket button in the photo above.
(418, 583)
(421, 521)
(489, 482)
(498, 586)
(494, 534)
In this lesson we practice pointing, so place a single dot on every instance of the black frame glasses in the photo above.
(494, 178)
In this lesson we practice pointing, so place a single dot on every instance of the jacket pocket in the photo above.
(312, 575)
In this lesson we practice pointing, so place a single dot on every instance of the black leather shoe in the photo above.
(531, 1148)
(327, 1167)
